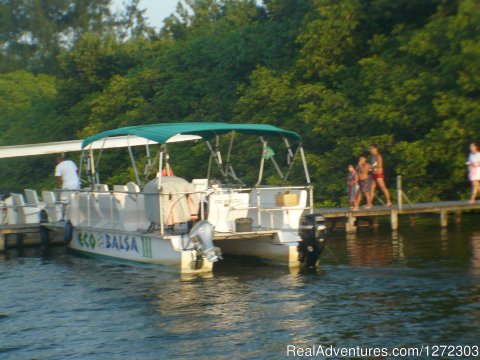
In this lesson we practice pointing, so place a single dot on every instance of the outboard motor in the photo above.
(312, 230)
(201, 236)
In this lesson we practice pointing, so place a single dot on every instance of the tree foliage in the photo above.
(403, 74)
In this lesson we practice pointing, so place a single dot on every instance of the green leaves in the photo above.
(403, 74)
(329, 42)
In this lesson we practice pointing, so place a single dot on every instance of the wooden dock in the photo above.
(443, 209)
(39, 234)
(23, 235)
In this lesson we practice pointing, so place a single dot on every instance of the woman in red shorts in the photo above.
(378, 176)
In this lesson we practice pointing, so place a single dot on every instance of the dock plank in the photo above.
(19, 228)
(418, 208)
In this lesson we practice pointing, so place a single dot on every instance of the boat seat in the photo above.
(87, 204)
(54, 211)
(132, 187)
(12, 215)
(3, 213)
(32, 198)
(120, 188)
(107, 209)
(74, 211)
(100, 188)
(134, 209)
(25, 214)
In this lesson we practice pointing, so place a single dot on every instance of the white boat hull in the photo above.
(284, 254)
(152, 248)
(131, 246)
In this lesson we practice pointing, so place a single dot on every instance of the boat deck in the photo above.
(244, 235)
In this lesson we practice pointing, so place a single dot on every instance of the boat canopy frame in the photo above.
(182, 132)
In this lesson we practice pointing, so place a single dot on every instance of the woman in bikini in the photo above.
(378, 175)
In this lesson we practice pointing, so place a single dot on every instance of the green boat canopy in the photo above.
(161, 133)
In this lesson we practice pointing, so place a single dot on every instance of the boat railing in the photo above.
(123, 209)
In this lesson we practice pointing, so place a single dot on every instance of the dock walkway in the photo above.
(443, 208)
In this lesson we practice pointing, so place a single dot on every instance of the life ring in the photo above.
(68, 232)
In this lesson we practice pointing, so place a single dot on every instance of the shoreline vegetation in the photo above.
(398, 73)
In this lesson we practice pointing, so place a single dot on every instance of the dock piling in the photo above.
(394, 219)
(3, 244)
(443, 218)
(351, 226)
(399, 192)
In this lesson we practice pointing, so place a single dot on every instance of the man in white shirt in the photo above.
(66, 174)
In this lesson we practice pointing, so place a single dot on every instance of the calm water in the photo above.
(421, 286)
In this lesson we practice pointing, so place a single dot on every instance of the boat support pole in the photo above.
(228, 165)
(148, 165)
(160, 197)
(292, 162)
(100, 152)
(291, 156)
(307, 177)
(132, 158)
(304, 161)
(279, 171)
(80, 165)
(262, 164)
(229, 153)
(209, 169)
(92, 167)
(215, 156)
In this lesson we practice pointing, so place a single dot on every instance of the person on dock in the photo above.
(378, 175)
(66, 175)
(473, 164)
(353, 187)
(364, 182)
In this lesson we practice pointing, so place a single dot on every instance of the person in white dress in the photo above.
(473, 164)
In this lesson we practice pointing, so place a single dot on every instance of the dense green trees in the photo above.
(401, 73)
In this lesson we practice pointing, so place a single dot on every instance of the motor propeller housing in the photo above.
(202, 236)
(312, 231)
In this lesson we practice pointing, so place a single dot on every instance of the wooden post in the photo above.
(394, 219)
(350, 226)
(399, 192)
(3, 242)
(443, 218)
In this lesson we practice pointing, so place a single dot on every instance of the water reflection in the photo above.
(444, 240)
(377, 288)
(475, 261)
(370, 250)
